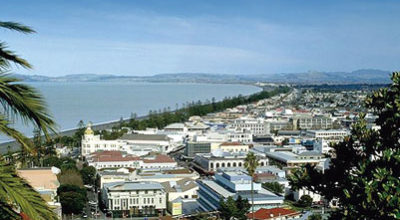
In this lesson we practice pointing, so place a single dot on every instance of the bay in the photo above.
(108, 101)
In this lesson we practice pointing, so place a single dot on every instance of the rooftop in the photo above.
(272, 213)
(40, 178)
(145, 137)
(129, 186)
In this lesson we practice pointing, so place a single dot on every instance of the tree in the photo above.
(227, 208)
(88, 175)
(305, 201)
(314, 217)
(251, 163)
(234, 208)
(70, 177)
(243, 207)
(24, 102)
(274, 187)
(364, 174)
(73, 198)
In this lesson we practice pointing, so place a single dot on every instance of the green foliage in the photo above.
(73, 198)
(160, 119)
(71, 177)
(16, 193)
(364, 175)
(59, 162)
(251, 163)
(243, 207)
(314, 217)
(231, 208)
(305, 201)
(88, 175)
(20, 101)
(274, 187)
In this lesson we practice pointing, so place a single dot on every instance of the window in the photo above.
(160, 200)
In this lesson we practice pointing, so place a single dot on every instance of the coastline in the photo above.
(13, 146)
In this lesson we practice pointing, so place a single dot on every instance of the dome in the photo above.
(89, 130)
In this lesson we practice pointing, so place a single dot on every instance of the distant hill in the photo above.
(366, 76)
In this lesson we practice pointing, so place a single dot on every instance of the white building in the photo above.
(118, 159)
(219, 159)
(256, 126)
(329, 135)
(233, 147)
(138, 198)
(136, 144)
(233, 184)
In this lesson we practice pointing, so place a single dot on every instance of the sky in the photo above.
(129, 37)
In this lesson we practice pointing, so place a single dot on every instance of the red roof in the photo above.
(111, 156)
(262, 214)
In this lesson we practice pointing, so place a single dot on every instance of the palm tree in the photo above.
(251, 163)
(17, 198)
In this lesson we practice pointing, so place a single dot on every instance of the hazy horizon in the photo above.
(145, 38)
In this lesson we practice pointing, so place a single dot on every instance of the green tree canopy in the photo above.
(364, 174)
(73, 198)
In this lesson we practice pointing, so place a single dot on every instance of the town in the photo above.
(199, 168)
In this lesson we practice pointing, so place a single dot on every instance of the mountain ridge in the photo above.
(361, 76)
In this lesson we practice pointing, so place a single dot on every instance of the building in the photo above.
(309, 122)
(136, 144)
(301, 192)
(233, 184)
(219, 159)
(135, 198)
(256, 126)
(118, 159)
(234, 147)
(328, 135)
(178, 192)
(110, 176)
(242, 137)
(44, 181)
(274, 214)
(163, 174)
(193, 148)
(289, 157)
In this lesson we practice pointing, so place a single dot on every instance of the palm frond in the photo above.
(16, 27)
(7, 57)
(26, 102)
(5, 129)
(17, 193)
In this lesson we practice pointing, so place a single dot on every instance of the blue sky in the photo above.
(234, 37)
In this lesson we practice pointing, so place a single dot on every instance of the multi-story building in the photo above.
(135, 198)
(256, 126)
(234, 147)
(242, 137)
(219, 159)
(328, 135)
(193, 148)
(233, 184)
(136, 144)
(309, 122)
(117, 159)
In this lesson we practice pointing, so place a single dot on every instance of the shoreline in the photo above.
(13, 145)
